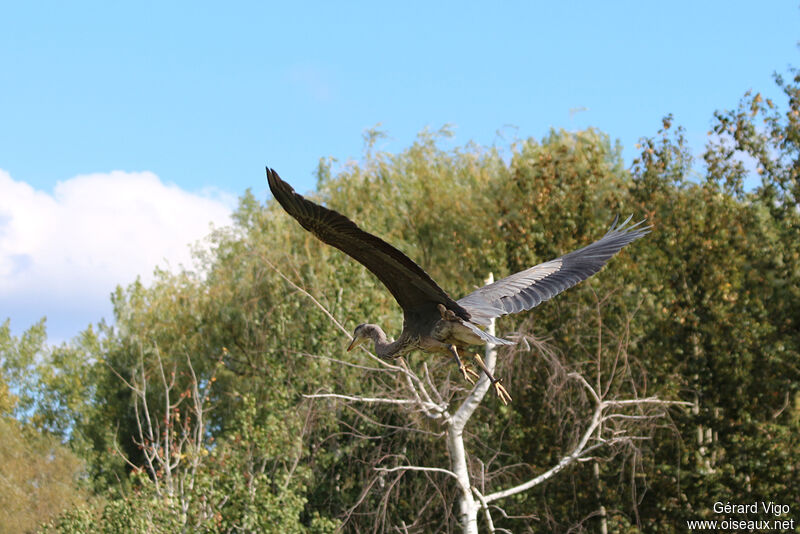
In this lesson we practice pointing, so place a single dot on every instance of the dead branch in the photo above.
(608, 425)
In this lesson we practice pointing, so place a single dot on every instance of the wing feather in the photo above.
(410, 285)
(529, 288)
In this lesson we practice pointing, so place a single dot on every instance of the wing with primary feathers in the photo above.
(411, 286)
(531, 287)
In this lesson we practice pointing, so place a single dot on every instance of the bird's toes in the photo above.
(469, 374)
(502, 393)
(476, 375)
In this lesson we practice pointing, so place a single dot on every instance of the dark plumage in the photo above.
(432, 320)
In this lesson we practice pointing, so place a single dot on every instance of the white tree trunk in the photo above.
(430, 402)
(467, 505)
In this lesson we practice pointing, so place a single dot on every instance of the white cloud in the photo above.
(62, 254)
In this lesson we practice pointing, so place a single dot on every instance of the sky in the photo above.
(128, 130)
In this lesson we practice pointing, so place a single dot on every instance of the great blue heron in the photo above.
(432, 321)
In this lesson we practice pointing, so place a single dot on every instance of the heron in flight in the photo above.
(432, 321)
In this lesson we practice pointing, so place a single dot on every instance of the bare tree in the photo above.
(610, 423)
(172, 437)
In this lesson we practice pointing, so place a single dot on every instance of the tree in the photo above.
(721, 323)
(704, 310)
(606, 430)
(39, 477)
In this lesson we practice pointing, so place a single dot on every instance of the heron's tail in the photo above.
(486, 336)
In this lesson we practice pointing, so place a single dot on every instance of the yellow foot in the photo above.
(499, 389)
(501, 392)
(468, 374)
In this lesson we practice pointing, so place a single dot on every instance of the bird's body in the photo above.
(437, 338)
(432, 320)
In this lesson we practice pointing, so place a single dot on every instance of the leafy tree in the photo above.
(706, 306)
(7, 400)
(38, 475)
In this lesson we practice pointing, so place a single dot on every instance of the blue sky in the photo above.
(146, 120)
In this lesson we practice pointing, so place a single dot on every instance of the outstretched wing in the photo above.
(531, 287)
(412, 287)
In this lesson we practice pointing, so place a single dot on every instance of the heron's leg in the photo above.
(501, 391)
(466, 372)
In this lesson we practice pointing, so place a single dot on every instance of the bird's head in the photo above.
(360, 336)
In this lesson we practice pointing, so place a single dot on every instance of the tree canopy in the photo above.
(189, 413)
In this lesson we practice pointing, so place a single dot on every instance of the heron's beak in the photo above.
(352, 344)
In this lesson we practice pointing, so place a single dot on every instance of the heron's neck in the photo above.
(383, 347)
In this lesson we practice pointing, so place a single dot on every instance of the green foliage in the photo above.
(720, 306)
(706, 309)
(8, 401)
(38, 477)
(18, 363)
(237, 485)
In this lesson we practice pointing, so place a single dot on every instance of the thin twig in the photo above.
(416, 468)
(356, 398)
